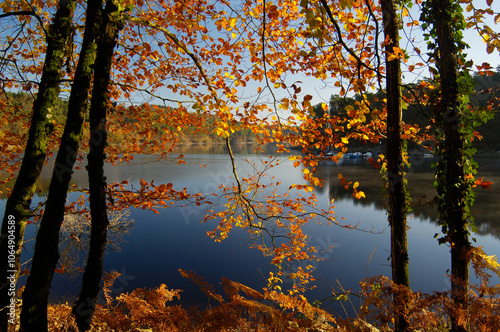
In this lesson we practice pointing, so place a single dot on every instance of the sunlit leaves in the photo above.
(483, 262)
(198, 57)
(223, 129)
(484, 184)
(477, 20)
(150, 196)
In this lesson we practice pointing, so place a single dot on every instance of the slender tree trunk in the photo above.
(85, 305)
(456, 188)
(398, 203)
(46, 255)
(17, 209)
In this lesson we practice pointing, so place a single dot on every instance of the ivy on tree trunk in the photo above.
(456, 191)
(452, 184)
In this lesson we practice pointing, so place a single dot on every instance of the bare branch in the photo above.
(26, 13)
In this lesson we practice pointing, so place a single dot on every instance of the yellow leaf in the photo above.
(491, 261)
(286, 103)
(392, 57)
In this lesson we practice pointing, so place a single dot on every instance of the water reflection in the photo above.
(158, 245)
(75, 238)
(420, 178)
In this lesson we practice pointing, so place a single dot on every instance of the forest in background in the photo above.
(487, 88)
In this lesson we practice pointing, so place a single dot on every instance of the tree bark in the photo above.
(398, 203)
(456, 188)
(46, 255)
(84, 307)
(17, 209)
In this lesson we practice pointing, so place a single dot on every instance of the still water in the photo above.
(159, 244)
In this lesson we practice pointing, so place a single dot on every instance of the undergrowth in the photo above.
(242, 308)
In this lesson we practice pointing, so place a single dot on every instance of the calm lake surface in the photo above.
(159, 244)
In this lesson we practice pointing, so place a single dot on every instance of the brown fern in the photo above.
(108, 279)
(199, 281)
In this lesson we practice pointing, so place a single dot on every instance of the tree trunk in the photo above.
(17, 209)
(46, 255)
(85, 305)
(456, 189)
(398, 203)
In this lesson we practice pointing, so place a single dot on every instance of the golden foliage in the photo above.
(61, 318)
(281, 315)
(175, 51)
(199, 281)
(148, 310)
(426, 312)
(243, 309)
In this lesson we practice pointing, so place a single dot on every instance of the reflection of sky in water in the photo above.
(159, 245)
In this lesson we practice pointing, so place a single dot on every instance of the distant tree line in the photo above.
(487, 87)
(23, 101)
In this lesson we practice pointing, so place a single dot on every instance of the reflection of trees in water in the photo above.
(75, 238)
(420, 184)
(220, 148)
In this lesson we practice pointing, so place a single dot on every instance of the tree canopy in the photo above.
(116, 78)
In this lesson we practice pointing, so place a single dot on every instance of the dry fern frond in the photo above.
(240, 311)
(143, 309)
(199, 281)
(108, 279)
(61, 318)
(481, 262)
(301, 305)
(231, 288)
(485, 312)
(430, 312)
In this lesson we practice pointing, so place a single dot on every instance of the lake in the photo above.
(157, 245)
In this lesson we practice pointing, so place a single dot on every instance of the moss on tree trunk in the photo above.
(85, 305)
(18, 204)
(46, 255)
